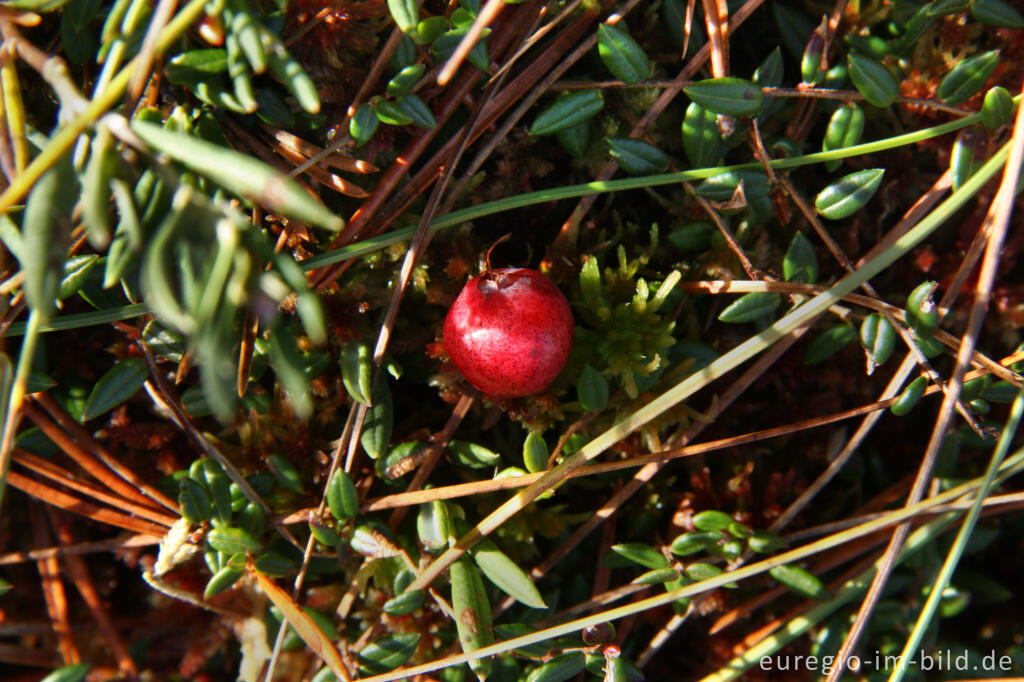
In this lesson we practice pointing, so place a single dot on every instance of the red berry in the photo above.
(509, 332)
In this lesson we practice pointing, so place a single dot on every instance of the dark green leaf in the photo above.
(878, 337)
(873, 80)
(194, 501)
(637, 157)
(222, 580)
(404, 604)
(69, 673)
(232, 541)
(506, 574)
(592, 389)
(721, 187)
(431, 31)
(363, 124)
(828, 343)
(702, 571)
(513, 630)
(711, 519)
(656, 576)
(763, 542)
(402, 83)
(750, 307)
(702, 141)
(288, 363)
(996, 13)
(387, 653)
(845, 128)
(376, 435)
(390, 113)
(535, 452)
(942, 7)
(567, 111)
(921, 312)
(694, 541)
(909, 397)
(638, 552)
(77, 270)
(967, 77)
(997, 109)
(285, 473)
(356, 372)
(119, 384)
(800, 580)
(692, 237)
(252, 519)
(342, 496)
(622, 55)
(847, 196)
(45, 228)
(731, 96)
(560, 668)
(196, 66)
(77, 37)
(800, 264)
(963, 161)
(278, 566)
(472, 612)
(473, 455)
(299, 83)
(417, 111)
(575, 139)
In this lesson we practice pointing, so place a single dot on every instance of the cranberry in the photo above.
(509, 332)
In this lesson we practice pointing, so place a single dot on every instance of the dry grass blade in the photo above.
(101, 546)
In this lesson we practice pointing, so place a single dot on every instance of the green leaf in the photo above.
(472, 612)
(373, 541)
(640, 553)
(996, 13)
(828, 343)
(878, 337)
(433, 524)
(299, 83)
(77, 37)
(290, 366)
(567, 111)
(194, 501)
(356, 372)
(376, 435)
(240, 174)
(363, 124)
(656, 576)
(962, 159)
(560, 668)
(506, 574)
(909, 397)
(845, 128)
(702, 141)
(473, 455)
(417, 111)
(342, 496)
(575, 139)
(45, 228)
(445, 45)
(513, 630)
(967, 77)
(119, 384)
(997, 109)
(694, 541)
(387, 653)
(721, 187)
(750, 307)
(702, 571)
(921, 312)
(232, 541)
(252, 519)
(5, 587)
(285, 473)
(592, 389)
(222, 580)
(406, 14)
(800, 580)
(196, 66)
(847, 196)
(76, 273)
(622, 55)
(692, 237)
(763, 542)
(402, 83)
(535, 452)
(711, 519)
(69, 673)
(404, 604)
(873, 80)
(390, 113)
(800, 264)
(637, 157)
(731, 96)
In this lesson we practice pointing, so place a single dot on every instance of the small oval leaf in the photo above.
(847, 196)
(535, 452)
(828, 343)
(873, 80)
(342, 496)
(967, 77)
(997, 109)
(622, 55)
(731, 96)
(560, 668)
(637, 157)
(640, 553)
(750, 307)
(800, 581)
(506, 574)
(800, 264)
(232, 541)
(592, 389)
(568, 111)
(120, 383)
(909, 397)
